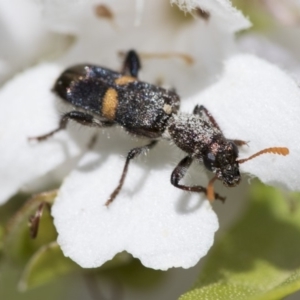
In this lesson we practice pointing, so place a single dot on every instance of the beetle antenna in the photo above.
(275, 150)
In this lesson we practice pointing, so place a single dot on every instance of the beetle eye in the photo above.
(209, 161)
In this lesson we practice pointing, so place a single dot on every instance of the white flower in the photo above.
(25, 38)
(162, 226)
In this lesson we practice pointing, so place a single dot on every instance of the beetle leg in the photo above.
(79, 117)
(200, 110)
(240, 142)
(131, 65)
(131, 154)
(179, 173)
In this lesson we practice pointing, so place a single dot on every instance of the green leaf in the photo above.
(133, 274)
(17, 243)
(1, 240)
(259, 258)
(260, 18)
(45, 265)
(58, 289)
(49, 263)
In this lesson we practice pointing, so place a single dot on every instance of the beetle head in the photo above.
(220, 157)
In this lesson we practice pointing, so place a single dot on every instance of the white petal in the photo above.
(222, 11)
(257, 102)
(162, 29)
(25, 38)
(271, 51)
(154, 221)
(72, 17)
(27, 109)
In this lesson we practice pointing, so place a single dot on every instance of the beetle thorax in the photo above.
(191, 133)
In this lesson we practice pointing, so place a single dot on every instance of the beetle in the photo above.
(101, 97)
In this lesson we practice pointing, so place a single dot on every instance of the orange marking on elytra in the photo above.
(110, 103)
(124, 80)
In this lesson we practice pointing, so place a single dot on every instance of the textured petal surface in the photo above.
(155, 222)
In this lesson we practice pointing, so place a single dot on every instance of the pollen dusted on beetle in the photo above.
(103, 98)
